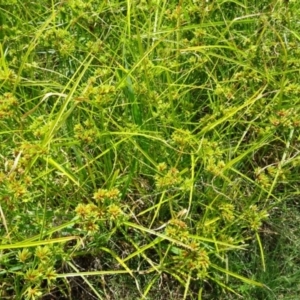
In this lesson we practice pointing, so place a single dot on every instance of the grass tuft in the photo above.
(149, 149)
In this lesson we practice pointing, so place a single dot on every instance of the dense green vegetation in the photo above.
(149, 149)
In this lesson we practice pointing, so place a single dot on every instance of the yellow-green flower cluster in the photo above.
(177, 229)
(110, 201)
(60, 39)
(37, 269)
(196, 259)
(108, 208)
(184, 140)
(215, 167)
(227, 211)
(193, 257)
(7, 104)
(255, 217)
(86, 133)
(286, 118)
(112, 195)
(89, 216)
(170, 178)
(40, 126)
(266, 176)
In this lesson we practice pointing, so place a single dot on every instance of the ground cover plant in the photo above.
(149, 149)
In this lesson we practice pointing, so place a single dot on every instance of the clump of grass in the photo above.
(149, 143)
